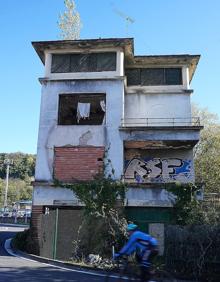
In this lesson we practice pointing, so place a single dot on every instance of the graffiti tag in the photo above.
(158, 170)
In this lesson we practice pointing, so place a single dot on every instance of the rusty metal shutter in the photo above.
(106, 61)
(60, 63)
(133, 76)
(152, 76)
(173, 76)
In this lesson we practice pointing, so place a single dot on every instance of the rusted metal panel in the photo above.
(166, 144)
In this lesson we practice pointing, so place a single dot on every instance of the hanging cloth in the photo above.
(102, 104)
(83, 111)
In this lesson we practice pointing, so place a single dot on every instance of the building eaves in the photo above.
(165, 61)
(85, 45)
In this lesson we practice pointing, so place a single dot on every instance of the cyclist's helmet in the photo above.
(131, 227)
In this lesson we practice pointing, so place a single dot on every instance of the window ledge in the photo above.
(155, 90)
(43, 80)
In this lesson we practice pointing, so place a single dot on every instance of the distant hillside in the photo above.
(23, 165)
(21, 174)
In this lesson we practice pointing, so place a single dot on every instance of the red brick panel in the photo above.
(77, 163)
(37, 211)
(35, 228)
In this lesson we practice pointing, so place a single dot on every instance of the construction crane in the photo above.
(128, 19)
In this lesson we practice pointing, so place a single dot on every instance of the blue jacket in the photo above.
(138, 242)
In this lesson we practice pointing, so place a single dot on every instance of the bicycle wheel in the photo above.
(163, 276)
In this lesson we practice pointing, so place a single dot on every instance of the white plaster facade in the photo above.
(122, 103)
(51, 134)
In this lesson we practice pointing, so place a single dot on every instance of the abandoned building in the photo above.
(98, 96)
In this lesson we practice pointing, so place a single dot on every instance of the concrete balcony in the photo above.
(161, 131)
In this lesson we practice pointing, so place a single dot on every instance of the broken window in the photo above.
(81, 109)
(91, 62)
(154, 76)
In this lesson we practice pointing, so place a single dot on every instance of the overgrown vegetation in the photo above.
(193, 251)
(23, 241)
(192, 244)
(188, 210)
(22, 168)
(21, 174)
(207, 151)
(104, 224)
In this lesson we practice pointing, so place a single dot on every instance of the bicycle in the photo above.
(128, 271)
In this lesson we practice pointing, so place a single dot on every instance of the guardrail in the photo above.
(12, 220)
(191, 121)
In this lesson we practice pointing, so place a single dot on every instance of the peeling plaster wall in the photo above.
(136, 105)
(47, 195)
(154, 135)
(157, 105)
(51, 134)
(154, 197)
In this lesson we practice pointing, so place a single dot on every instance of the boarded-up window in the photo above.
(93, 109)
(173, 76)
(133, 76)
(94, 62)
(60, 63)
(78, 163)
(154, 76)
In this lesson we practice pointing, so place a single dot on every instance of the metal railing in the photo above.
(151, 122)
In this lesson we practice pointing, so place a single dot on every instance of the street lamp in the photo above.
(7, 162)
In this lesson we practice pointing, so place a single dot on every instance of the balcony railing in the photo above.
(151, 122)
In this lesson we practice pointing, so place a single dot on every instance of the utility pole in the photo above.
(7, 162)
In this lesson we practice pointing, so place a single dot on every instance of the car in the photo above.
(27, 214)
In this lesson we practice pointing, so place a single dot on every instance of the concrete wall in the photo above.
(139, 102)
(53, 135)
(46, 195)
(156, 167)
(157, 105)
(149, 197)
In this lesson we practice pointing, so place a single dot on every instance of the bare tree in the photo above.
(70, 22)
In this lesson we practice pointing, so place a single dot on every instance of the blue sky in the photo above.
(159, 27)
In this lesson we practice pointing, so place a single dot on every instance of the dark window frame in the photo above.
(67, 108)
(84, 62)
(165, 76)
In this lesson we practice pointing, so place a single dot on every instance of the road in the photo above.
(16, 269)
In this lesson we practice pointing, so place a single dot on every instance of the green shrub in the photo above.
(23, 241)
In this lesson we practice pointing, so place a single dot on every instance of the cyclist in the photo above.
(144, 246)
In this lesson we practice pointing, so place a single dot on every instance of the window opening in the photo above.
(154, 76)
(81, 109)
(93, 62)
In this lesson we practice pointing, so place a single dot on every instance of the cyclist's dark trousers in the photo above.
(145, 273)
(145, 264)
